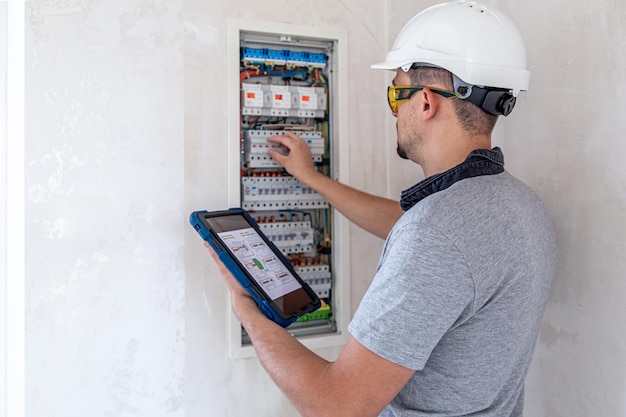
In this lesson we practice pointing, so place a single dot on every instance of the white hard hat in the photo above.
(477, 43)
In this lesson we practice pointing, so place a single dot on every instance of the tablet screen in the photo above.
(259, 260)
(261, 263)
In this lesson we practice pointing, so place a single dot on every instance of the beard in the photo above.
(399, 148)
(408, 141)
(401, 152)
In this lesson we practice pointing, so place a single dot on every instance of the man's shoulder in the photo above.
(499, 197)
(499, 189)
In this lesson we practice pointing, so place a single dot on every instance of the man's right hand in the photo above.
(296, 156)
(375, 214)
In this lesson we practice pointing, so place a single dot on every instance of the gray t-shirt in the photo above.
(459, 295)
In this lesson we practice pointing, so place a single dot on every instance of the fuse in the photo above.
(281, 100)
(256, 146)
(253, 99)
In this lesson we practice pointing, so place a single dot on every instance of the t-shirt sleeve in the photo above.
(423, 288)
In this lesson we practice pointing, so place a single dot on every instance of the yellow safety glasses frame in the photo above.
(397, 94)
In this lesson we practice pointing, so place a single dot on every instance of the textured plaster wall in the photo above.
(104, 234)
(566, 140)
(568, 143)
(125, 135)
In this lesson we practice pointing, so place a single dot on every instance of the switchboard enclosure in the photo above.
(287, 78)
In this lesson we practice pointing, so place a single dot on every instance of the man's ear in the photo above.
(429, 104)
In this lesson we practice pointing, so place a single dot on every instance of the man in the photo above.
(449, 323)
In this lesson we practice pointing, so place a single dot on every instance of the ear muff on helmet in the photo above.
(494, 101)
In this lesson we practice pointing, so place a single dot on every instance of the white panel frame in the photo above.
(340, 236)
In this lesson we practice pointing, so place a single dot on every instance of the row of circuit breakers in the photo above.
(287, 90)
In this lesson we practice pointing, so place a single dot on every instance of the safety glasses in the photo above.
(397, 94)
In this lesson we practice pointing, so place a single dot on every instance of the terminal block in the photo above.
(322, 313)
(285, 57)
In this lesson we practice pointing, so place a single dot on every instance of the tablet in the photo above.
(256, 263)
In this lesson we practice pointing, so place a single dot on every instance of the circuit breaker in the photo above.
(289, 79)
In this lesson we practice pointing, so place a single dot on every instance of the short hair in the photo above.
(473, 119)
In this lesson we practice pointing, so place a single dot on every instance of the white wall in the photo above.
(568, 143)
(566, 140)
(105, 274)
(125, 135)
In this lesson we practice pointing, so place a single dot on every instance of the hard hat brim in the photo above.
(385, 66)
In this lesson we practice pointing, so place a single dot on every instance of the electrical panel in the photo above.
(288, 81)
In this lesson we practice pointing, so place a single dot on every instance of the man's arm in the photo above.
(375, 214)
(359, 383)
